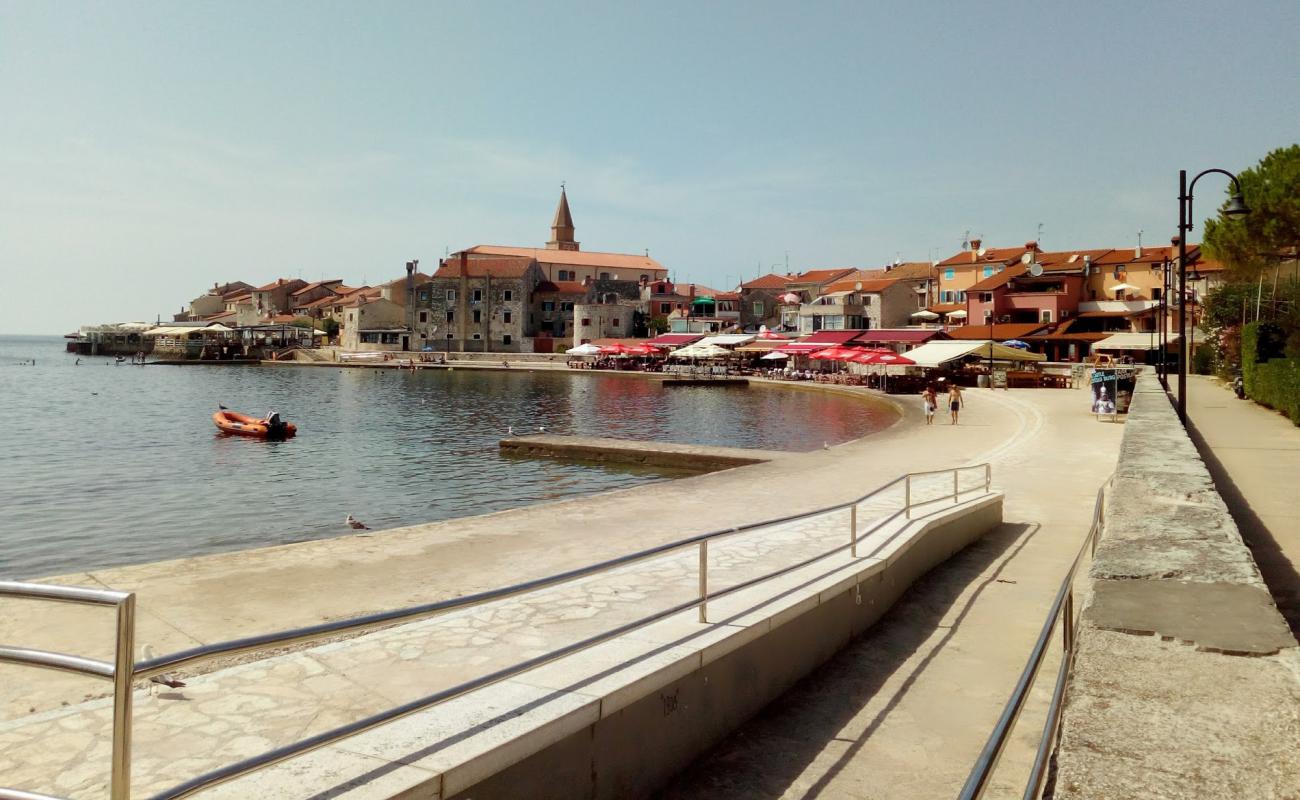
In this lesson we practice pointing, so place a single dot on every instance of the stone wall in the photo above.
(1186, 681)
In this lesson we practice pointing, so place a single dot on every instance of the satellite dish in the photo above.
(1035, 269)
(857, 287)
(1026, 258)
(980, 252)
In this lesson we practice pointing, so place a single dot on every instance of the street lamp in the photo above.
(1236, 207)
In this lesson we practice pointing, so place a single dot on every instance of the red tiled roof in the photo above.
(726, 296)
(316, 285)
(560, 287)
(417, 278)
(992, 255)
(577, 258)
(910, 271)
(1004, 330)
(819, 275)
(484, 267)
(768, 281)
(850, 284)
(327, 300)
(278, 282)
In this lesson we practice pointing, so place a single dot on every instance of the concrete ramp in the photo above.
(694, 457)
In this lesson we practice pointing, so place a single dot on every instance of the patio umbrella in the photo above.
(958, 314)
(924, 314)
(834, 353)
(1016, 343)
(613, 349)
(701, 351)
(764, 333)
(789, 297)
(1122, 287)
(774, 356)
(583, 350)
(869, 356)
(641, 350)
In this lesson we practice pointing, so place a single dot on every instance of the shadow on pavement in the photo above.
(765, 757)
(1282, 580)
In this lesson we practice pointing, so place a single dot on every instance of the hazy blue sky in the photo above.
(150, 149)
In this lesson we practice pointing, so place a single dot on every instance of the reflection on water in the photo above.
(110, 464)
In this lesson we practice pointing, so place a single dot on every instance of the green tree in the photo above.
(1257, 242)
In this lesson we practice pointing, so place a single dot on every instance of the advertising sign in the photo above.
(1105, 388)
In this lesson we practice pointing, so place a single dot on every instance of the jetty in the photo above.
(691, 457)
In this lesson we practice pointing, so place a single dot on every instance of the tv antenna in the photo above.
(965, 240)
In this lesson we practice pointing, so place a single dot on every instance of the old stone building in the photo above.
(478, 305)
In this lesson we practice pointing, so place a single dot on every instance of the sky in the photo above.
(149, 150)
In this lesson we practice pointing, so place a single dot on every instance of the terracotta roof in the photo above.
(1004, 330)
(992, 255)
(819, 275)
(235, 298)
(327, 300)
(578, 258)
(1074, 257)
(911, 271)
(222, 317)
(726, 296)
(768, 281)
(1207, 265)
(560, 287)
(946, 308)
(419, 277)
(283, 318)
(850, 285)
(278, 282)
(316, 285)
(997, 279)
(484, 267)
(1067, 337)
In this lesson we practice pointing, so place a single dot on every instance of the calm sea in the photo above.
(105, 464)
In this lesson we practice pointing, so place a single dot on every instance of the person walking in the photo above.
(954, 401)
(931, 400)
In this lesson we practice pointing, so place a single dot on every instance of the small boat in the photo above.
(261, 427)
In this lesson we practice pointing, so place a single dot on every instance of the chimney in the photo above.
(1137, 251)
(692, 294)
(464, 264)
(1031, 247)
(975, 249)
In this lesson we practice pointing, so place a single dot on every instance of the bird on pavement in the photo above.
(165, 679)
(356, 524)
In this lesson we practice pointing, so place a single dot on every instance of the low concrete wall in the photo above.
(641, 739)
(1186, 681)
(691, 457)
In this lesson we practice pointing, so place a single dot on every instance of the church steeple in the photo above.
(562, 226)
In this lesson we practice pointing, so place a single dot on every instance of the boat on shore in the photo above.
(271, 427)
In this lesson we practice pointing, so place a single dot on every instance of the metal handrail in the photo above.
(1062, 608)
(155, 666)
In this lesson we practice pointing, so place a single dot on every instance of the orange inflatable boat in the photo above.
(260, 427)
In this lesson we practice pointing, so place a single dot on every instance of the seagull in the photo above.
(825, 446)
(510, 430)
(164, 679)
(223, 408)
(541, 429)
(356, 524)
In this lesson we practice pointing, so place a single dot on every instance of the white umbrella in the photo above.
(958, 314)
(1122, 287)
(701, 351)
(774, 356)
(924, 314)
(587, 349)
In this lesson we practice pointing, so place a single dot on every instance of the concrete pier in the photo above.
(688, 457)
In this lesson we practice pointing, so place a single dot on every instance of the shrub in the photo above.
(1277, 385)
(1203, 359)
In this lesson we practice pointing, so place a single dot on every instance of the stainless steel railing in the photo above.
(123, 672)
(1062, 609)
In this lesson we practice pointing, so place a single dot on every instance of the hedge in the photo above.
(1277, 385)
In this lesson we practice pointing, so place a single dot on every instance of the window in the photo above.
(507, 295)
(988, 316)
(476, 336)
(1047, 315)
(424, 316)
(506, 339)
(986, 297)
(586, 320)
(945, 296)
(604, 276)
(424, 294)
(566, 306)
(616, 321)
(449, 336)
(478, 316)
(758, 307)
(506, 317)
(961, 297)
(451, 295)
(451, 316)
(478, 296)
(665, 308)
(566, 275)
(548, 306)
(1155, 294)
(949, 274)
(988, 272)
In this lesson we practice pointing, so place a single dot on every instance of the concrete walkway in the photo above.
(1253, 454)
(904, 711)
(1047, 451)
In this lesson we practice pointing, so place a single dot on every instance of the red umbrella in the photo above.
(835, 353)
(766, 334)
(613, 349)
(640, 350)
(885, 357)
(869, 356)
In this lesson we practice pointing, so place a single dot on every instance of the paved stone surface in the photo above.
(1253, 454)
(1201, 710)
(623, 451)
(904, 710)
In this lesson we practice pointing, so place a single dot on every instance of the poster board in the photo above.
(999, 378)
(1105, 388)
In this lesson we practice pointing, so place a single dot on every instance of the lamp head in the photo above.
(1237, 206)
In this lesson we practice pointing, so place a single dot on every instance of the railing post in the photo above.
(907, 497)
(955, 473)
(853, 530)
(704, 580)
(988, 477)
(1067, 622)
(123, 678)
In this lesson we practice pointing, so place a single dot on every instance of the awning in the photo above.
(1132, 341)
(827, 338)
(728, 339)
(675, 339)
(701, 350)
(934, 354)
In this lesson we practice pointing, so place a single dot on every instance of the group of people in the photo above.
(930, 397)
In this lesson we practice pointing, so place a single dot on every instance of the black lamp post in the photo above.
(1236, 207)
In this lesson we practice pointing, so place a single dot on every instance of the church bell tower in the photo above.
(562, 226)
